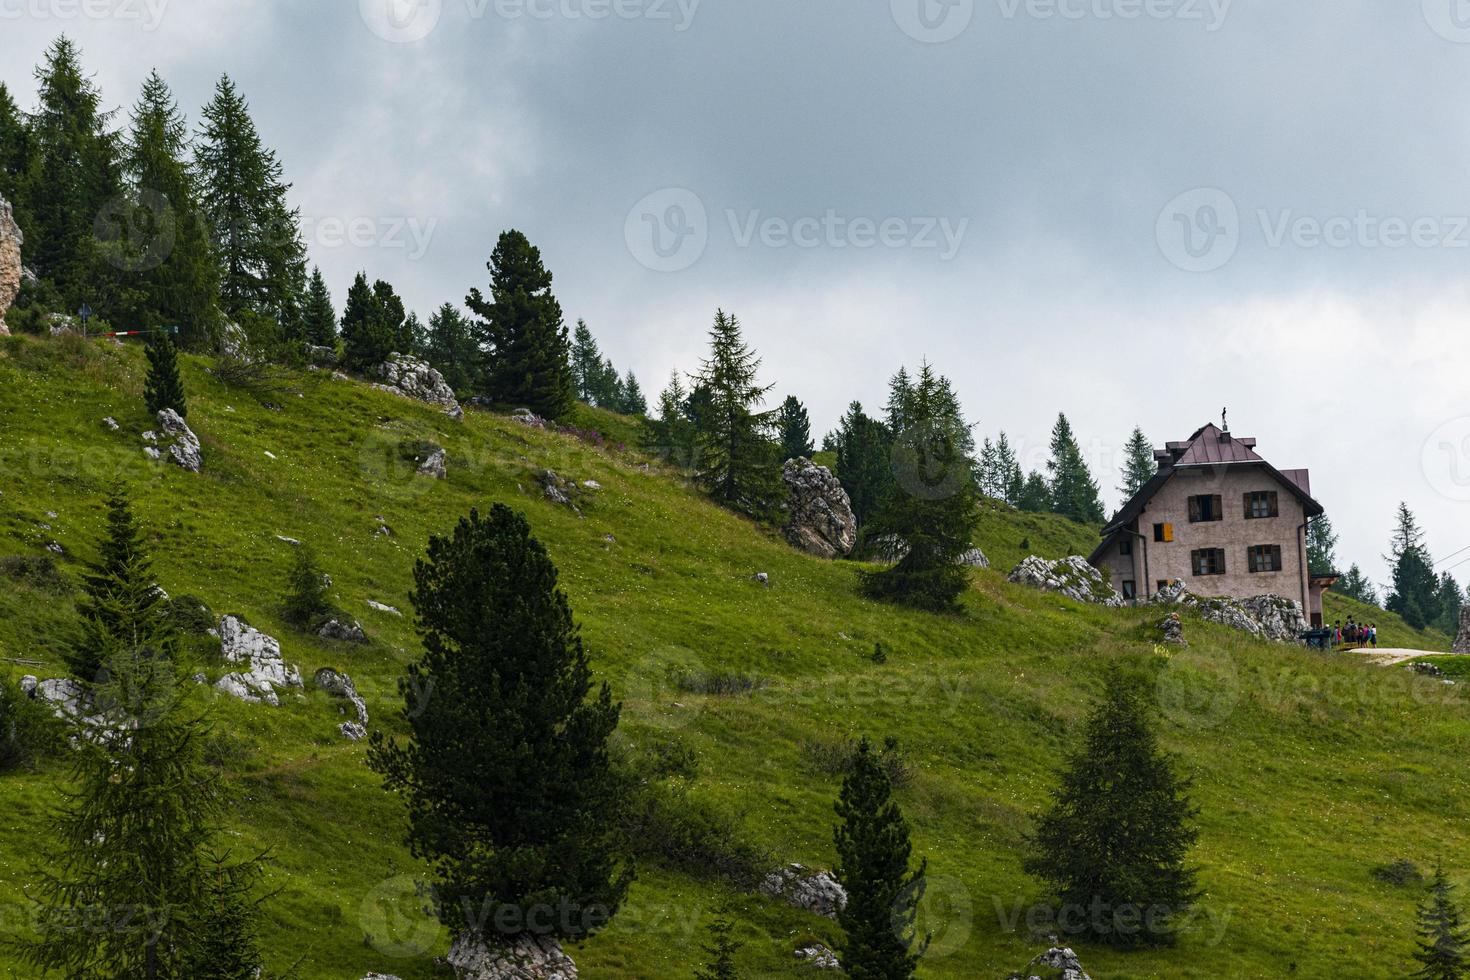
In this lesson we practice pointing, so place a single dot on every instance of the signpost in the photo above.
(85, 313)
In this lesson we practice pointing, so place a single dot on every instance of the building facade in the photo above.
(1217, 516)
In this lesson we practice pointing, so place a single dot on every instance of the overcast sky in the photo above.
(1135, 211)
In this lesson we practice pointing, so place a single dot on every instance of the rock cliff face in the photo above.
(1462, 642)
(413, 378)
(10, 267)
(820, 520)
(1269, 617)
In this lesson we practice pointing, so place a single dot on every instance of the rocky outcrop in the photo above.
(526, 958)
(341, 686)
(183, 446)
(892, 549)
(11, 240)
(1172, 629)
(433, 465)
(819, 514)
(1462, 641)
(1269, 617)
(413, 378)
(557, 489)
(523, 415)
(814, 891)
(818, 956)
(974, 558)
(1071, 577)
(266, 669)
(349, 631)
(1060, 959)
(321, 356)
(381, 607)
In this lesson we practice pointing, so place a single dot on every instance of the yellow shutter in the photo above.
(1168, 532)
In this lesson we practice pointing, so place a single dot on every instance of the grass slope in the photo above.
(1309, 769)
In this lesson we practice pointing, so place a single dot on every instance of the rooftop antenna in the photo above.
(1225, 419)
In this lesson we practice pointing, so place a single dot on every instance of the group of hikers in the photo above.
(1355, 634)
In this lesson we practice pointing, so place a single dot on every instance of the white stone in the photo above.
(819, 514)
(413, 378)
(268, 670)
(813, 891)
(184, 451)
(1072, 577)
(433, 466)
(111, 424)
(525, 958)
(382, 608)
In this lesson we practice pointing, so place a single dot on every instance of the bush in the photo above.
(668, 758)
(1399, 873)
(37, 571)
(720, 683)
(28, 732)
(690, 835)
(191, 615)
(838, 758)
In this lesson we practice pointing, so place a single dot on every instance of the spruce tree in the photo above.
(15, 159)
(1074, 493)
(794, 429)
(1011, 481)
(169, 250)
(512, 796)
(586, 363)
(226, 945)
(1356, 585)
(1138, 464)
(1321, 545)
(900, 400)
(633, 401)
(607, 390)
(1441, 949)
(1415, 587)
(863, 446)
(1114, 841)
(932, 508)
(451, 348)
(520, 331)
(671, 434)
(306, 600)
(739, 467)
(163, 388)
(1448, 600)
(373, 325)
(1035, 495)
(873, 864)
(318, 315)
(721, 949)
(122, 608)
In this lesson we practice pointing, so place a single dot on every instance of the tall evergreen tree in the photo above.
(512, 796)
(1355, 585)
(900, 400)
(794, 429)
(633, 401)
(163, 388)
(227, 945)
(721, 950)
(607, 387)
(1448, 600)
(1138, 464)
(521, 333)
(864, 468)
(1441, 951)
(1415, 587)
(374, 325)
(451, 347)
(671, 434)
(1035, 495)
(1011, 481)
(256, 232)
(318, 315)
(739, 467)
(873, 864)
(933, 506)
(1115, 838)
(1321, 545)
(15, 159)
(586, 361)
(167, 242)
(1073, 490)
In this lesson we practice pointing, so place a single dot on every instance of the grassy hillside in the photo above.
(1309, 769)
(1392, 630)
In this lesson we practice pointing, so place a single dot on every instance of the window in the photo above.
(1163, 532)
(1262, 504)
(1208, 561)
(1206, 508)
(1130, 590)
(1125, 545)
(1265, 558)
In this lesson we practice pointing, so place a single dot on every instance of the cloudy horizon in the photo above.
(1133, 211)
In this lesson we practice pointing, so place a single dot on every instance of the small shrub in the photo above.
(265, 381)
(1399, 873)
(37, 571)
(667, 825)
(28, 732)
(720, 683)
(836, 758)
(191, 615)
(1026, 544)
(880, 656)
(668, 758)
(306, 601)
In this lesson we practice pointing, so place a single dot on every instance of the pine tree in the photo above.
(15, 159)
(318, 315)
(883, 892)
(226, 946)
(1321, 545)
(794, 429)
(1355, 585)
(1138, 464)
(738, 460)
(671, 435)
(1441, 949)
(1115, 838)
(1415, 587)
(163, 388)
(864, 446)
(257, 233)
(122, 607)
(1035, 495)
(1011, 480)
(169, 251)
(1073, 491)
(722, 949)
(451, 348)
(306, 600)
(633, 401)
(933, 507)
(586, 363)
(511, 793)
(373, 325)
(521, 332)
(1448, 600)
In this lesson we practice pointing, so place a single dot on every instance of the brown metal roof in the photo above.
(1211, 445)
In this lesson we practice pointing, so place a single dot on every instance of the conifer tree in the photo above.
(671, 434)
(306, 599)
(794, 428)
(373, 325)
(633, 401)
(900, 400)
(1441, 949)
(1035, 495)
(511, 793)
(318, 315)
(226, 944)
(586, 361)
(520, 332)
(1448, 600)
(163, 388)
(15, 159)
(451, 348)
(167, 244)
(932, 508)
(873, 864)
(722, 949)
(1073, 491)
(1115, 839)
(122, 608)
(1415, 587)
(607, 389)
(1355, 585)
(1321, 545)
(863, 446)
(738, 460)
(1138, 464)
(1011, 481)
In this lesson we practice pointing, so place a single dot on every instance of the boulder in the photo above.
(525, 958)
(341, 686)
(110, 424)
(413, 378)
(819, 514)
(348, 632)
(377, 606)
(184, 450)
(59, 324)
(352, 731)
(1072, 577)
(11, 268)
(261, 654)
(1061, 959)
(28, 685)
(527, 417)
(818, 956)
(1269, 617)
(1462, 641)
(321, 356)
(814, 891)
(557, 489)
(974, 558)
(1173, 629)
(433, 466)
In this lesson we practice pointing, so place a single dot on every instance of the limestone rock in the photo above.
(321, 356)
(352, 731)
(28, 685)
(413, 378)
(526, 958)
(1063, 960)
(1072, 577)
(348, 632)
(1462, 641)
(184, 451)
(433, 466)
(527, 417)
(234, 343)
(261, 654)
(813, 891)
(557, 489)
(820, 519)
(1269, 617)
(974, 558)
(376, 606)
(59, 324)
(11, 268)
(111, 424)
(819, 956)
(340, 685)
(380, 976)
(1173, 630)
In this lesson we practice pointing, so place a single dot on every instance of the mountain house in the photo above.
(1220, 517)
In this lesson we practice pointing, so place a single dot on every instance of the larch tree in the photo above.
(737, 457)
